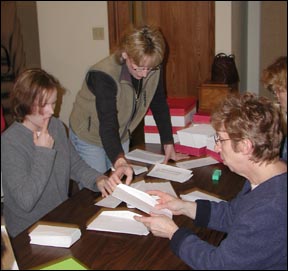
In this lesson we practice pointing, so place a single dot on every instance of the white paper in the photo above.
(139, 199)
(145, 156)
(139, 169)
(196, 136)
(171, 173)
(200, 162)
(109, 202)
(112, 202)
(118, 221)
(56, 236)
(193, 196)
(163, 186)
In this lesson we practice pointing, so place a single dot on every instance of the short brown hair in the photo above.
(32, 85)
(246, 116)
(275, 75)
(142, 41)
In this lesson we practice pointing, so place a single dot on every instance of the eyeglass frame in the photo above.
(141, 69)
(217, 139)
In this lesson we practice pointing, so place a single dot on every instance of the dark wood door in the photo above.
(189, 29)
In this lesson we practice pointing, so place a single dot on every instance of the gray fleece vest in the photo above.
(84, 119)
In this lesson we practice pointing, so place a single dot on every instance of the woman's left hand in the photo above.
(170, 153)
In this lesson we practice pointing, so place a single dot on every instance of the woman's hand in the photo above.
(120, 172)
(175, 205)
(170, 153)
(43, 138)
(104, 185)
(159, 225)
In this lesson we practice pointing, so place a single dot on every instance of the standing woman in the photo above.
(115, 97)
(37, 158)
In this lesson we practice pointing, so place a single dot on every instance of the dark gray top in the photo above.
(36, 179)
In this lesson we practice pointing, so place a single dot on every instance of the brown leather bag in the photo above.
(224, 69)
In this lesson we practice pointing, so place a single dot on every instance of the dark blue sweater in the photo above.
(256, 226)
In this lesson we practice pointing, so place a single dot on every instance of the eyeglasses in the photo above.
(141, 69)
(218, 139)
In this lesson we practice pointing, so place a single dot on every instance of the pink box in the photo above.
(214, 155)
(201, 118)
(179, 106)
(190, 150)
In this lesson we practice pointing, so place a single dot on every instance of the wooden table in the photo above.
(111, 251)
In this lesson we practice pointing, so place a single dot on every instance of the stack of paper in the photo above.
(200, 162)
(145, 156)
(139, 169)
(171, 173)
(118, 221)
(138, 199)
(56, 236)
(112, 202)
(162, 186)
(193, 196)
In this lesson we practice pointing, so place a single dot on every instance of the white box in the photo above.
(178, 121)
(196, 136)
(155, 138)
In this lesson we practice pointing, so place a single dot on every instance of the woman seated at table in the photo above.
(248, 137)
(37, 158)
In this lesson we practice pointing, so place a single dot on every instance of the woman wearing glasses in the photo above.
(115, 96)
(249, 133)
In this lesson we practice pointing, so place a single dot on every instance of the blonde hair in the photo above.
(275, 75)
(139, 42)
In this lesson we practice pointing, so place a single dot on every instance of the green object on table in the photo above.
(66, 264)
(216, 175)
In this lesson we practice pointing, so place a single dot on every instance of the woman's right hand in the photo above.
(43, 138)
(175, 205)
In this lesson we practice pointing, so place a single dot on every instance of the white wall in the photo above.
(67, 48)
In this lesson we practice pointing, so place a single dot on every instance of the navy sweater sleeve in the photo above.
(201, 220)
(105, 90)
(203, 213)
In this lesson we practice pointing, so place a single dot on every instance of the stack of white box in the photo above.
(181, 111)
